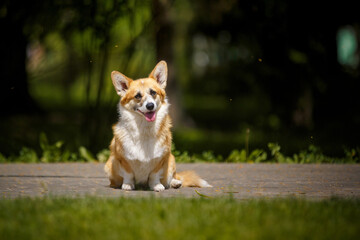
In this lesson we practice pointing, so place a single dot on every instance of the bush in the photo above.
(56, 152)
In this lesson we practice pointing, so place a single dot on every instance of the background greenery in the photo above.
(56, 152)
(245, 77)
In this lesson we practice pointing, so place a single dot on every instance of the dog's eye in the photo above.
(152, 93)
(138, 96)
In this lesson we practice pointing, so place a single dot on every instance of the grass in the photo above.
(127, 218)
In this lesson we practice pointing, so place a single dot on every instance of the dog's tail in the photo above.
(191, 179)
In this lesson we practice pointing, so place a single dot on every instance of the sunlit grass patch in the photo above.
(218, 218)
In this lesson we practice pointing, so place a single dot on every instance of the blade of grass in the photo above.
(202, 195)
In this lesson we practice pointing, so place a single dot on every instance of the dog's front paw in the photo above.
(127, 187)
(159, 187)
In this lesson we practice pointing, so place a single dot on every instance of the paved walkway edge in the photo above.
(242, 181)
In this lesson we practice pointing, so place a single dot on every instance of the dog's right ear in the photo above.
(120, 82)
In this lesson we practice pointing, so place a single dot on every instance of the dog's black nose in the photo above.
(150, 106)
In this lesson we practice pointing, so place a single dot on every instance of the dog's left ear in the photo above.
(160, 73)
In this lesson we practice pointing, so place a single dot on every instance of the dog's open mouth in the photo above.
(149, 116)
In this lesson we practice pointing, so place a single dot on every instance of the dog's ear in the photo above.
(120, 82)
(160, 73)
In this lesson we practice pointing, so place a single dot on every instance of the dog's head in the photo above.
(143, 96)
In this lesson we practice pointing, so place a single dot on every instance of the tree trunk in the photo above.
(14, 90)
(164, 35)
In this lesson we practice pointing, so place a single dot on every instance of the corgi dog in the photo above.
(141, 146)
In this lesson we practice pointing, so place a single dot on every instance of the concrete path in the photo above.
(242, 181)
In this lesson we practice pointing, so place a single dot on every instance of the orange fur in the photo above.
(141, 149)
(138, 86)
(189, 179)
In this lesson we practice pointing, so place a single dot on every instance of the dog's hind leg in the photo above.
(169, 172)
(112, 168)
(175, 183)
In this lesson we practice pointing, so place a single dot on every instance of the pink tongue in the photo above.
(150, 116)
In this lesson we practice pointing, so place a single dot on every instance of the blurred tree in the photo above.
(18, 22)
(164, 24)
(85, 35)
(283, 52)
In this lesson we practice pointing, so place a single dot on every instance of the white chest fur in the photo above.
(141, 147)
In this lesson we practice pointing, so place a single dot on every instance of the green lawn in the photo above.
(96, 218)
